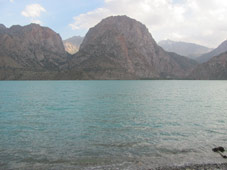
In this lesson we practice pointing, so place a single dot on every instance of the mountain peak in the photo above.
(72, 44)
(121, 26)
(120, 47)
(2, 26)
(32, 47)
(118, 18)
(187, 49)
(219, 50)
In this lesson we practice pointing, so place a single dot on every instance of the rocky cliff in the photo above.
(122, 48)
(29, 51)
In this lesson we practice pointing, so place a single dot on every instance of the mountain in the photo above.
(122, 48)
(2, 27)
(30, 52)
(214, 69)
(219, 50)
(185, 63)
(183, 48)
(72, 45)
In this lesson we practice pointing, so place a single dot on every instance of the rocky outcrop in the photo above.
(72, 45)
(32, 49)
(214, 69)
(122, 48)
(219, 50)
(190, 50)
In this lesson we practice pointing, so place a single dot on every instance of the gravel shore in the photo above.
(197, 167)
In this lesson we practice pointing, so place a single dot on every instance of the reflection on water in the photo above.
(111, 124)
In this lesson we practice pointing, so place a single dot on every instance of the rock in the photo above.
(219, 149)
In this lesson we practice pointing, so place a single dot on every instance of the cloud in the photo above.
(33, 11)
(91, 18)
(199, 21)
(36, 21)
(11, 0)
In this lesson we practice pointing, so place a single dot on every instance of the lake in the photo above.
(111, 124)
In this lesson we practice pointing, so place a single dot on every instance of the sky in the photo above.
(197, 21)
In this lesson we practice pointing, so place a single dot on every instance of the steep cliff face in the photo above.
(122, 48)
(32, 48)
(214, 69)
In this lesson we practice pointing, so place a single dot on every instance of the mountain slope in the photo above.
(183, 48)
(72, 45)
(219, 50)
(214, 69)
(32, 49)
(185, 63)
(122, 48)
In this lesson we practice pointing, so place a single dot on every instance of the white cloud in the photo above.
(11, 0)
(89, 18)
(36, 21)
(199, 21)
(33, 11)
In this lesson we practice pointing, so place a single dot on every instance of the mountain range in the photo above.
(190, 50)
(118, 47)
(214, 69)
(217, 51)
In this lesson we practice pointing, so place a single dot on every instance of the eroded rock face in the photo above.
(214, 69)
(122, 48)
(31, 47)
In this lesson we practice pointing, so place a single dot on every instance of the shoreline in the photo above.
(221, 166)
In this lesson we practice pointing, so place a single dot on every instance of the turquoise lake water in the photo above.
(111, 124)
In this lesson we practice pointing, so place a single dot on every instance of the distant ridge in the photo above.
(214, 69)
(72, 44)
(190, 50)
(219, 50)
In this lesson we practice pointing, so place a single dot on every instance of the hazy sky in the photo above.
(198, 21)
